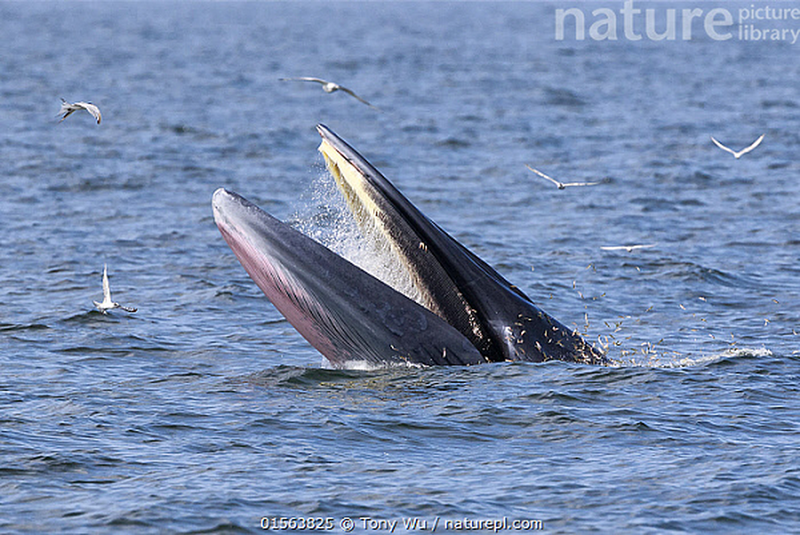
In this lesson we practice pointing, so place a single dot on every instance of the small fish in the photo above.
(742, 152)
(68, 109)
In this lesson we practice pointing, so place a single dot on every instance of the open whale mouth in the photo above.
(466, 313)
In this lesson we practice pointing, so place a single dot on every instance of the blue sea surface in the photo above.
(206, 412)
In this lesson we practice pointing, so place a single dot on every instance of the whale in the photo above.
(463, 312)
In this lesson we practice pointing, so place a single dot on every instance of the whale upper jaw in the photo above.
(467, 313)
(499, 320)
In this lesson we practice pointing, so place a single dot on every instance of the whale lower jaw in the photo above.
(344, 312)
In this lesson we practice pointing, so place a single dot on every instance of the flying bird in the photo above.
(628, 248)
(561, 185)
(107, 303)
(68, 109)
(742, 152)
(328, 87)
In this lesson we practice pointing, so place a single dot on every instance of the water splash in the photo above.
(324, 217)
(677, 360)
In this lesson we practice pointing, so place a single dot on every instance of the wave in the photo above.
(675, 360)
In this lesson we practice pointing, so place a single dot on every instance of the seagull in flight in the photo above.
(742, 152)
(561, 185)
(107, 303)
(629, 248)
(68, 109)
(328, 87)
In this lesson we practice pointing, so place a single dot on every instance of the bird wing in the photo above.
(723, 147)
(580, 184)
(755, 144)
(628, 248)
(350, 92)
(91, 108)
(553, 180)
(106, 286)
(304, 79)
(95, 111)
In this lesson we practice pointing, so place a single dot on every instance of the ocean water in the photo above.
(205, 412)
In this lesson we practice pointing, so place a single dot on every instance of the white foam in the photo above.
(362, 365)
(326, 218)
(675, 360)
